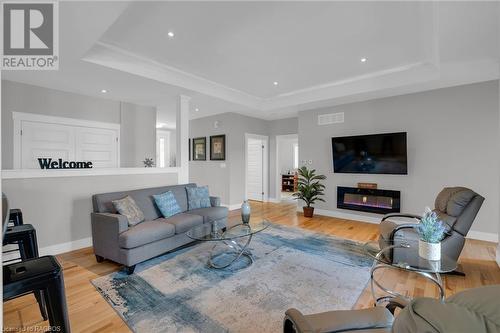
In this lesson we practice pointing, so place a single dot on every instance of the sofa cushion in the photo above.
(183, 222)
(167, 204)
(129, 208)
(145, 233)
(211, 213)
(198, 197)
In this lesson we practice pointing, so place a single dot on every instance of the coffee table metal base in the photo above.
(232, 248)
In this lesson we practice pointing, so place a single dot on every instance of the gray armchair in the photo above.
(457, 207)
(473, 310)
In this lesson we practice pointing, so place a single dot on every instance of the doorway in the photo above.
(287, 163)
(256, 167)
(162, 148)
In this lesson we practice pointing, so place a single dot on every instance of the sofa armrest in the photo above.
(106, 229)
(117, 222)
(215, 201)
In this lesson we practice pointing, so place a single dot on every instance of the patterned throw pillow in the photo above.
(167, 204)
(198, 197)
(129, 208)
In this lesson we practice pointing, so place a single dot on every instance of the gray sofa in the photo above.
(113, 239)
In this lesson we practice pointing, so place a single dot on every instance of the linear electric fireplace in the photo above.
(369, 200)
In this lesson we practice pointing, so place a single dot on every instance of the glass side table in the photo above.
(403, 255)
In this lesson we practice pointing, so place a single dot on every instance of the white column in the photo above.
(182, 130)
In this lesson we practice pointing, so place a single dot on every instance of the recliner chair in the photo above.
(474, 310)
(457, 207)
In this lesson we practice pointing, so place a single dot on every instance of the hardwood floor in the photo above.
(89, 312)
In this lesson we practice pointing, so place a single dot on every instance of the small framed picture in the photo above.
(200, 149)
(218, 147)
(189, 146)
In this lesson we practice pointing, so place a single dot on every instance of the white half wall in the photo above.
(452, 141)
(59, 207)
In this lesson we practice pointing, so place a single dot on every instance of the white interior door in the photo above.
(99, 145)
(256, 167)
(162, 149)
(40, 140)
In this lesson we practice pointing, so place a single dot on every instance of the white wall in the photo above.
(452, 141)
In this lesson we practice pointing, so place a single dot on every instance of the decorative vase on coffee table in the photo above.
(429, 251)
(245, 212)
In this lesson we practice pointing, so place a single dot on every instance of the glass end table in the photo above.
(402, 254)
(234, 241)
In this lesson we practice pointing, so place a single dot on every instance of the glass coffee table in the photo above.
(403, 255)
(232, 242)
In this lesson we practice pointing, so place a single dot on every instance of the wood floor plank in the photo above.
(89, 312)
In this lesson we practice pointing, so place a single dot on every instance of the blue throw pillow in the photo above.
(198, 197)
(167, 204)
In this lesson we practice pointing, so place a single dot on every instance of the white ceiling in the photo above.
(226, 55)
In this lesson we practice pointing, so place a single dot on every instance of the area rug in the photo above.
(177, 292)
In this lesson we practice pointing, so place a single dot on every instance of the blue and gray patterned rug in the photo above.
(177, 292)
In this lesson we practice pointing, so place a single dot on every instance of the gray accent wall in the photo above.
(138, 123)
(20, 97)
(453, 140)
(227, 178)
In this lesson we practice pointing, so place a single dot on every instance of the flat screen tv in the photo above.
(371, 154)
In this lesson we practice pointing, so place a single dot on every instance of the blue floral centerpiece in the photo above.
(431, 231)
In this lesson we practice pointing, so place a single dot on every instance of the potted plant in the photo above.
(309, 189)
(431, 231)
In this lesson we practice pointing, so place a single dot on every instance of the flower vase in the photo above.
(245, 212)
(429, 251)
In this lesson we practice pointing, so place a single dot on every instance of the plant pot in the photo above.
(308, 211)
(429, 251)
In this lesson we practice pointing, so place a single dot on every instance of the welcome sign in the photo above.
(48, 163)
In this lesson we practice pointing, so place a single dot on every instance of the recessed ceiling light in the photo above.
(171, 34)
(196, 109)
(275, 83)
(104, 91)
(363, 59)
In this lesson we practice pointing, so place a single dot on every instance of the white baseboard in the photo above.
(479, 235)
(484, 236)
(232, 207)
(344, 215)
(65, 247)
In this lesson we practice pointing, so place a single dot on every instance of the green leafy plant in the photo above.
(309, 187)
(430, 228)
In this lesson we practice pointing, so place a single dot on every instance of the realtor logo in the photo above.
(30, 35)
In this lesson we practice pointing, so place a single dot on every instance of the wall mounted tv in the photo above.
(371, 154)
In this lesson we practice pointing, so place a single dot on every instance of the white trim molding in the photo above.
(477, 235)
(483, 236)
(498, 255)
(65, 247)
(53, 173)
